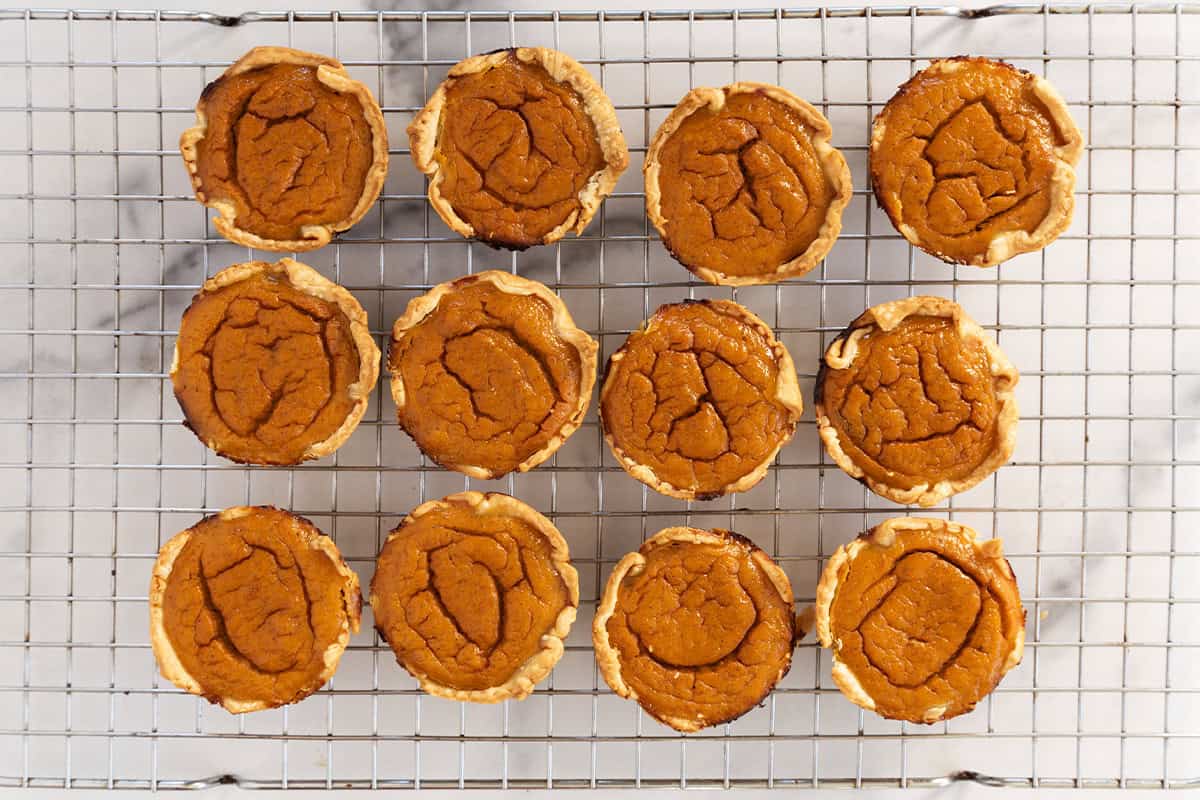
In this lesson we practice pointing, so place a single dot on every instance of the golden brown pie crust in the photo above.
(273, 162)
(696, 626)
(715, 393)
(540, 64)
(974, 161)
(946, 401)
(251, 608)
(274, 363)
(923, 618)
(782, 201)
(475, 594)
(490, 373)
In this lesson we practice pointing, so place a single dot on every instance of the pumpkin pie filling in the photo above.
(519, 155)
(923, 619)
(288, 148)
(744, 186)
(698, 402)
(697, 626)
(490, 374)
(269, 372)
(252, 608)
(475, 593)
(915, 400)
(973, 160)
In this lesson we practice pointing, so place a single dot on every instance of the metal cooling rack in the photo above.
(102, 247)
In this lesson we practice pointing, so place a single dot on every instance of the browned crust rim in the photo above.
(990, 552)
(886, 316)
(423, 134)
(419, 308)
(331, 73)
(535, 668)
(787, 394)
(1062, 188)
(308, 280)
(632, 564)
(168, 660)
(833, 164)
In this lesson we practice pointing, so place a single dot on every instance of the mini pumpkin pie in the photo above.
(697, 402)
(696, 626)
(287, 148)
(490, 374)
(916, 401)
(744, 186)
(251, 608)
(475, 594)
(922, 618)
(520, 146)
(274, 363)
(974, 161)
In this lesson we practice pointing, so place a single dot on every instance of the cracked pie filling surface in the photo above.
(922, 618)
(475, 594)
(251, 608)
(917, 401)
(274, 364)
(696, 626)
(974, 161)
(490, 373)
(697, 403)
(287, 148)
(520, 146)
(744, 186)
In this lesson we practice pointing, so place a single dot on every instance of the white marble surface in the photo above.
(1110, 395)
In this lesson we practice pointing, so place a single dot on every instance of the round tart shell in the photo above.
(331, 73)
(537, 666)
(787, 395)
(168, 659)
(833, 165)
(307, 280)
(420, 308)
(423, 136)
(988, 557)
(632, 565)
(886, 316)
(1062, 184)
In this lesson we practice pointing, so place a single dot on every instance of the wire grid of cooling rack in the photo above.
(103, 247)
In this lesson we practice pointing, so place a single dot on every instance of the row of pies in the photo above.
(274, 364)
(475, 594)
(972, 159)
